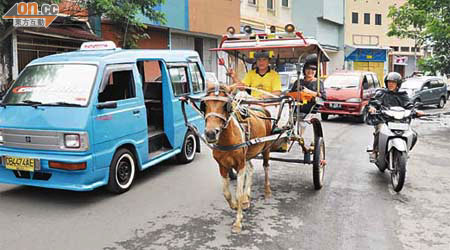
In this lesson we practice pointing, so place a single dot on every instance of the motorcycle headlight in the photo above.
(353, 100)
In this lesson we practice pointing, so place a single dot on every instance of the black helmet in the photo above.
(393, 76)
(310, 62)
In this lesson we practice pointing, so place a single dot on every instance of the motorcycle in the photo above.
(396, 139)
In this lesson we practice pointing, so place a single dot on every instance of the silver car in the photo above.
(429, 90)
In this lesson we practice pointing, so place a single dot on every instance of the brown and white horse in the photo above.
(223, 129)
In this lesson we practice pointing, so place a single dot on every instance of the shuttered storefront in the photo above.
(376, 67)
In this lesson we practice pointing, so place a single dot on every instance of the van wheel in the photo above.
(363, 118)
(324, 117)
(189, 148)
(121, 171)
(441, 103)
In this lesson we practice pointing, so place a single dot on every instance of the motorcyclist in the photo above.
(387, 97)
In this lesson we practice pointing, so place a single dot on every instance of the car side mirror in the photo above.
(107, 105)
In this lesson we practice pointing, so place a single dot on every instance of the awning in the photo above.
(366, 53)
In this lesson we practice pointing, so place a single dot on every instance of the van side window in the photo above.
(426, 85)
(370, 81)
(198, 83)
(150, 71)
(180, 84)
(119, 86)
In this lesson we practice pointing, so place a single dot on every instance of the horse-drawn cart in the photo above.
(229, 110)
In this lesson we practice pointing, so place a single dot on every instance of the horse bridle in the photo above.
(227, 106)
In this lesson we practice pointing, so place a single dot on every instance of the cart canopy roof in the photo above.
(288, 48)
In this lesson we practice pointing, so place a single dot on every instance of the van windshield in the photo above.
(342, 81)
(53, 84)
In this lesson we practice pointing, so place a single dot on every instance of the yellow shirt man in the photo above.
(268, 82)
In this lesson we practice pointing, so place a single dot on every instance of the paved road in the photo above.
(182, 207)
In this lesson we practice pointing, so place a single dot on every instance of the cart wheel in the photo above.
(318, 162)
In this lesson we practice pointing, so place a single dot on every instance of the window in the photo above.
(377, 19)
(354, 17)
(395, 48)
(437, 84)
(252, 2)
(54, 83)
(198, 83)
(404, 49)
(285, 3)
(366, 18)
(180, 84)
(368, 82)
(376, 83)
(415, 49)
(270, 4)
(119, 85)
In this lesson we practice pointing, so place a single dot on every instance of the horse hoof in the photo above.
(267, 195)
(236, 228)
(245, 205)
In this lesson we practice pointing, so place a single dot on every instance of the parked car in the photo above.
(447, 78)
(348, 93)
(429, 90)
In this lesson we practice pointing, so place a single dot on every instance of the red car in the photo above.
(348, 93)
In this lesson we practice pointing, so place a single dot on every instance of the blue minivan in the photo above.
(97, 116)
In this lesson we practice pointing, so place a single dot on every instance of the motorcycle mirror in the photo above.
(418, 104)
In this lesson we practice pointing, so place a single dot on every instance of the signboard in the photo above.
(400, 60)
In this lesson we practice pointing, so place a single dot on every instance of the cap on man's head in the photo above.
(262, 54)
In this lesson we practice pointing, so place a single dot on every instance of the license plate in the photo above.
(398, 126)
(15, 163)
(335, 105)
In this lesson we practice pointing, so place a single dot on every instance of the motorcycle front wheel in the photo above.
(398, 172)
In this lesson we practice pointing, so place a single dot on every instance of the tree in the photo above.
(125, 15)
(428, 23)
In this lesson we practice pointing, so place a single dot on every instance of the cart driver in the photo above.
(262, 78)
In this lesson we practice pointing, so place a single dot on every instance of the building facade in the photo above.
(367, 45)
(261, 14)
(324, 21)
(193, 24)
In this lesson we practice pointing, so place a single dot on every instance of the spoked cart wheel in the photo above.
(318, 156)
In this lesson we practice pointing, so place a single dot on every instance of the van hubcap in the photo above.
(123, 171)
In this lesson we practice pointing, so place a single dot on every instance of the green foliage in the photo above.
(124, 14)
(428, 22)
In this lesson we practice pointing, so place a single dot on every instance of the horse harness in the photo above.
(239, 113)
